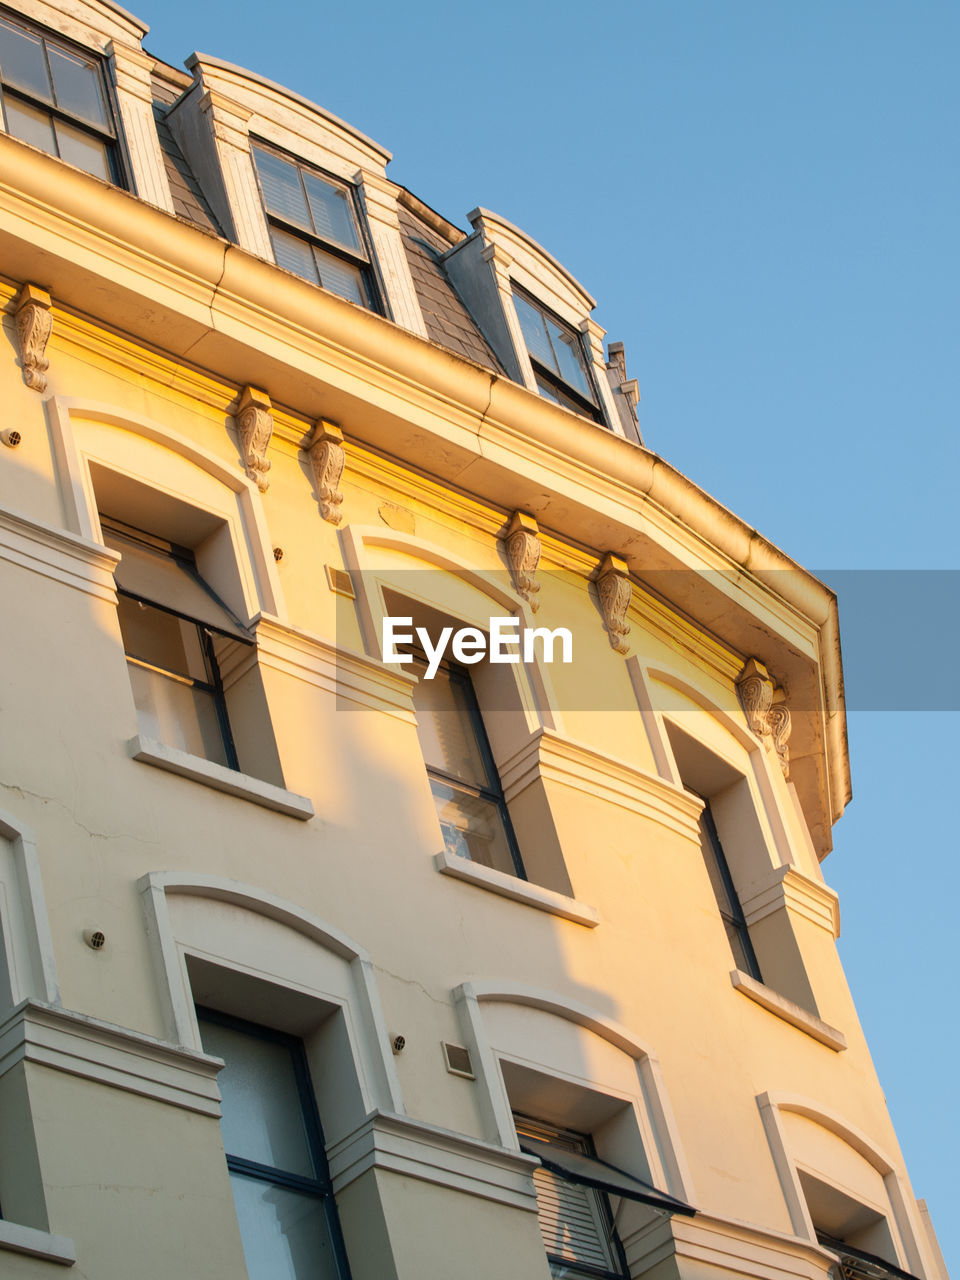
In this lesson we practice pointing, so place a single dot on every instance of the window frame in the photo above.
(320, 1187)
(205, 630)
(110, 138)
(732, 915)
(543, 1131)
(563, 390)
(493, 793)
(365, 262)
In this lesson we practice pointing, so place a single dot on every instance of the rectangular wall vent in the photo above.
(458, 1061)
(339, 581)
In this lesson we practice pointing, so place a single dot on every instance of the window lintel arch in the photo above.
(654, 1115)
(358, 997)
(261, 582)
(360, 543)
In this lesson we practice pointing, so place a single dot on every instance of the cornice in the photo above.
(415, 1149)
(356, 680)
(193, 295)
(559, 760)
(790, 888)
(54, 553)
(84, 1046)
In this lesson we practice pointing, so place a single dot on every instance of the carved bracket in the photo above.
(34, 326)
(523, 552)
(327, 459)
(615, 591)
(255, 425)
(766, 710)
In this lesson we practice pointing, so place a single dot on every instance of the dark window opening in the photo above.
(275, 1153)
(576, 1221)
(315, 227)
(738, 935)
(463, 776)
(172, 623)
(556, 353)
(54, 96)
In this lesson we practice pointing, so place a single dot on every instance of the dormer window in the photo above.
(315, 227)
(55, 98)
(557, 357)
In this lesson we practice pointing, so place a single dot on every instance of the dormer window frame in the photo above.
(361, 258)
(550, 383)
(108, 134)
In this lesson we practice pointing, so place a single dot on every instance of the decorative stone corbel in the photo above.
(34, 326)
(255, 425)
(327, 459)
(778, 720)
(523, 552)
(615, 591)
(765, 707)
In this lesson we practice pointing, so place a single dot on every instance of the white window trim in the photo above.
(377, 1077)
(115, 36)
(792, 1013)
(36, 1244)
(370, 582)
(906, 1227)
(654, 1114)
(237, 104)
(516, 258)
(219, 778)
(258, 571)
(24, 923)
(517, 890)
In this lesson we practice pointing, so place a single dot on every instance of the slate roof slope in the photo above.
(189, 201)
(448, 322)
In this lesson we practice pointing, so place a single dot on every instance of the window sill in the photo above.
(768, 999)
(36, 1244)
(220, 778)
(533, 895)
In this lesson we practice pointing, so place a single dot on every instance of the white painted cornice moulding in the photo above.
(560, 760)
(415, 1149)
(790, 888)
(54, 553)
(361, 682)
(249, 322)
(736, 1248)
(80, 1045)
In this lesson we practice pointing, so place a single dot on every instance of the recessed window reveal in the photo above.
(469, 645)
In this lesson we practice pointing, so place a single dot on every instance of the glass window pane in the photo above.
(340, 277)
(332, 214)
(30, 125)
(285, 1233)
(735, 938)
(534, 332)
(83, 150)
(76, 82)
(472, 827)
(282, 192)
(294, 255)
(176, 714)
(448, 736)
(161, 638)
(262, 1112)
(22, 62)
(566, 346)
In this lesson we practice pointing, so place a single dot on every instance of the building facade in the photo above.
(327, 949)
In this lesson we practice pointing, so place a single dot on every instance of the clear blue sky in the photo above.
(764, 198)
